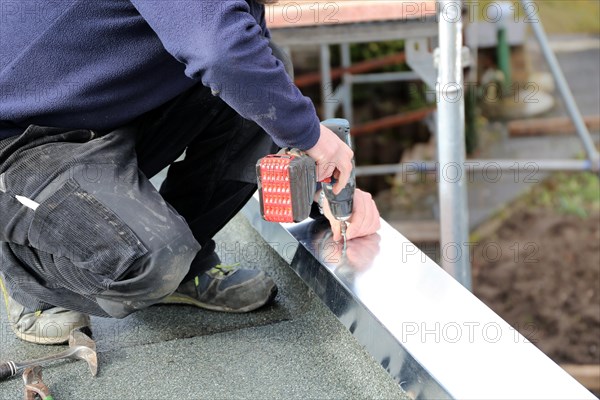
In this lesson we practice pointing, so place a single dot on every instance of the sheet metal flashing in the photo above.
(433, 336)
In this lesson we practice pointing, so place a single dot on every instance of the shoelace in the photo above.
(218, 271)
(223, 269)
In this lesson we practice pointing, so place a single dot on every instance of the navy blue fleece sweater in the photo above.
(98, 64)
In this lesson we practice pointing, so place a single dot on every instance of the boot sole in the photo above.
(39, 339)
(178, 298)
(49, 340)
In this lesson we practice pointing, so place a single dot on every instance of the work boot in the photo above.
(51, 326)
(226, 288)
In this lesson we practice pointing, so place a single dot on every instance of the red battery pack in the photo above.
(286, 184)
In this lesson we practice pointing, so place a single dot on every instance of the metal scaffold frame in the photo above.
(454, 213)
(450, 123)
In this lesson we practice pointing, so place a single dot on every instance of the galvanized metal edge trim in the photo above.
(432, 335)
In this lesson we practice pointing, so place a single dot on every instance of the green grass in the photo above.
(568, 193)
(573, 193)
(563, 16)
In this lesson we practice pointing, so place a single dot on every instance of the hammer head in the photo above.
(81, 340)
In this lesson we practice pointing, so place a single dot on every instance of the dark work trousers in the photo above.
(103, 241)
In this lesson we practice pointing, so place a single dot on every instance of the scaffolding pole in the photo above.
(562, 85)
(490, 167)
(454, 216)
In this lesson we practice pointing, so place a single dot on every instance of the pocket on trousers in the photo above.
(74, 224)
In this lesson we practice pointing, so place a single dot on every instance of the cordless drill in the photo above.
(287, 184)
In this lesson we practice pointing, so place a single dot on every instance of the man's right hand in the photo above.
(333, 157)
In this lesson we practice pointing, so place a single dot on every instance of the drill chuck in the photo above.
(342, 203)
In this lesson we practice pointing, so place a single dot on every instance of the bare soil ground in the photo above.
(546, 280)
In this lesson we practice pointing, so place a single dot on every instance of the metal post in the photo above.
(454, 217)
(474, 45)
(562, 86)
(326, 82)
(491, 166)
(347, 82)
(503, 54)
(472, 136)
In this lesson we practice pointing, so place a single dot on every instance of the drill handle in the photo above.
(341, 127)
(342, 203)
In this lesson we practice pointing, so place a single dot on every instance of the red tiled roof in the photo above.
(288, 14)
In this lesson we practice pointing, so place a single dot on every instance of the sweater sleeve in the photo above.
(223, 45)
